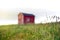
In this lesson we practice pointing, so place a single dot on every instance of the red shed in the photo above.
(24, 18)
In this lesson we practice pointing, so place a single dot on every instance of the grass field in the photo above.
(49, 31)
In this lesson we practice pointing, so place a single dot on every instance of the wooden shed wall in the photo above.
(20, 18)
(31, 19)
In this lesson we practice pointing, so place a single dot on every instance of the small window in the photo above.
(28, 20)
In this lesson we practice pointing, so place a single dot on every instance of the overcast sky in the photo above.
(9, 9)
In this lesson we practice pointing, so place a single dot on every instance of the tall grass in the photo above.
(49, 31)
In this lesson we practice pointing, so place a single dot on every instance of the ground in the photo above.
(48, 31)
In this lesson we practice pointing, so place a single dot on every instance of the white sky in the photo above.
(10, 8)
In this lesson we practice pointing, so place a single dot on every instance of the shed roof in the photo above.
(26, 14)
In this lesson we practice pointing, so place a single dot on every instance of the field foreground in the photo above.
(49, 31)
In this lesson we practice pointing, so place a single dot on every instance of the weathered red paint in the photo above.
(30, 18)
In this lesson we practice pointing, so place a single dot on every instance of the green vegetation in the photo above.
(49, 31)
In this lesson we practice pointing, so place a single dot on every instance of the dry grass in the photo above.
(49, 31)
